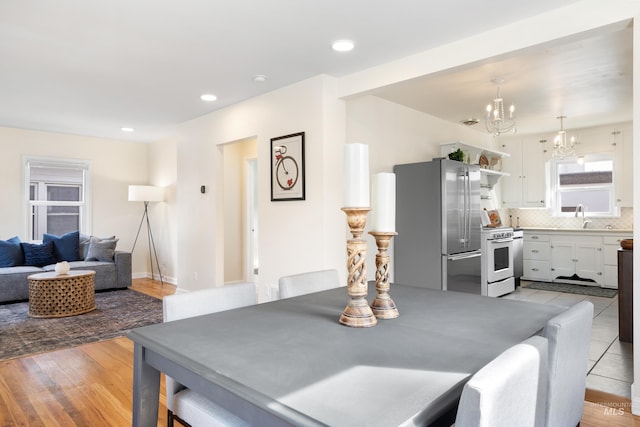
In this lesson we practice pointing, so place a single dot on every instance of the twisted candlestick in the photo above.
(383, 306)
(357, 314)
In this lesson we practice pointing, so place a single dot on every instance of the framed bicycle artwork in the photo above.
(287, 167)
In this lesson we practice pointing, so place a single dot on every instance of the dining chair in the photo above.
(306, 283)
(509, 391)
(569, 334)
(186, 405)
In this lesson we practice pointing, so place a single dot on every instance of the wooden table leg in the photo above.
(146, 390)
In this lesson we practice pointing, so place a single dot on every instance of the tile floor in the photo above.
(610, 361)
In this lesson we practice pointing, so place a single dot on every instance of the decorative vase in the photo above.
(62, 267)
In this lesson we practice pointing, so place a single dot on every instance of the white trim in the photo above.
(53, 162)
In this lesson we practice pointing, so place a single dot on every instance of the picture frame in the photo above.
(287, 168)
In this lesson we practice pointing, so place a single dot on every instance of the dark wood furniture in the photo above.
(625, 295)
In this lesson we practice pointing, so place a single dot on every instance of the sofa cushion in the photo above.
(101, 249)
(11, 252)
(65, 247)
(83, 245)
(38, 255)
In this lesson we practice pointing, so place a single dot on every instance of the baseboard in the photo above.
(166, 279)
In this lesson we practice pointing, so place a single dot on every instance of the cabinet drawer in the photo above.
(614, 240)
(537, 270)
(540, 251)
(534, 237)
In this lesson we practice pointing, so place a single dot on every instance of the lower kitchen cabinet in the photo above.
(577, 255)
(549, 255)
(610, 256)
(536, 257)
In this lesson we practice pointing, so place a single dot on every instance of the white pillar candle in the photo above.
(356, 176)
(383, 202)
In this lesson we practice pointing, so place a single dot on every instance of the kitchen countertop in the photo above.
(581, 230)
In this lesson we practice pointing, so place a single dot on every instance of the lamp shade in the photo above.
(146, 193)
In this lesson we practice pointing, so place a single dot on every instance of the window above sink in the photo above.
(587, 181)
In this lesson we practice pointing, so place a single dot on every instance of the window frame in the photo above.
(84, 220)
(554, 184)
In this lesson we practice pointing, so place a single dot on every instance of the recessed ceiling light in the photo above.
(126, 129)
(342, 45)
(208, 97)
(259, 78)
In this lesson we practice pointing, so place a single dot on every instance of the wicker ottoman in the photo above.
(60, 295)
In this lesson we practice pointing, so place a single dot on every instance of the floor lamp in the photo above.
(146, 194)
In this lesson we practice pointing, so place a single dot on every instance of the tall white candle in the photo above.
(356, 176)
(383, 202)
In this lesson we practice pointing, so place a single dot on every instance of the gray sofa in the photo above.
(14, 285)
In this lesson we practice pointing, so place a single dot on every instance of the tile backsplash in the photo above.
(542, 218)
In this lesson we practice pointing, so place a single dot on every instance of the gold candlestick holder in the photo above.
(357, 314)
(383, 306)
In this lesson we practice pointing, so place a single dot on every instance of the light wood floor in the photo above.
(91, 385)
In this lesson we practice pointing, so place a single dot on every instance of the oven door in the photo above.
(499, 259)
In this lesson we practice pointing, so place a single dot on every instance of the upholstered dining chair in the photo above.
(184, 404)
(306, 283)
(569, 334)
(509, 391)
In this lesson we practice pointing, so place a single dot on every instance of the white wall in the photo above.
(398, 135)
(163, 173)
(114, 165)
(294, 236)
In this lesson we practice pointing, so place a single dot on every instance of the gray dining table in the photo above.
(289, 362)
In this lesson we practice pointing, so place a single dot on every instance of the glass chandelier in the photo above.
(496, 121)
(561, 147)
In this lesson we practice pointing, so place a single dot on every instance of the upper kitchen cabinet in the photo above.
(526, 185)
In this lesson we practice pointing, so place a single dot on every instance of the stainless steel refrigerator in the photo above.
(438, 225)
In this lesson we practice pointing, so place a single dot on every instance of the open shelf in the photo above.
(492, 176)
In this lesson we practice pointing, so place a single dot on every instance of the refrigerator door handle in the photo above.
(467, 212)
(466, 255)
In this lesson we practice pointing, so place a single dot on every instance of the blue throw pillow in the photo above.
(65, 247)
(38, 255)
(11, 253)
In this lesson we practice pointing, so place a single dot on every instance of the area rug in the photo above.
(116, 313)
(593, 291)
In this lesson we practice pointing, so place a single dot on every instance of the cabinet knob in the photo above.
(574, 260)
(535, 251)
(619, 200)
(553, 269)
(534, 237)
(599, 273)
(534, 269)
(599, 249)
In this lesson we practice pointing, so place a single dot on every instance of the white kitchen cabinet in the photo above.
(536, 257)
(579, 255)
(526, 185)
(610, 256)
(623, 166)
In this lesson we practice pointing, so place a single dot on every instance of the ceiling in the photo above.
(589, 80)
(91, 68)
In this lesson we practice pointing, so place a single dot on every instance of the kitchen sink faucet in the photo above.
(580, 209)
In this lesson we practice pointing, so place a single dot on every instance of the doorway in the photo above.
(240, 211)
